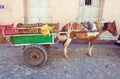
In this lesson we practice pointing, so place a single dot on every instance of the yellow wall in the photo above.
(13, 11)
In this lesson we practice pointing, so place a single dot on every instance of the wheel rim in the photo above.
(35, 57)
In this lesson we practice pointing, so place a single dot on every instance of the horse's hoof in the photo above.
(65, 56)
(89, 54)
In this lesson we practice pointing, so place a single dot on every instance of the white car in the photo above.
(118, 41)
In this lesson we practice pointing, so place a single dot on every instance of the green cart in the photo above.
(34, 53)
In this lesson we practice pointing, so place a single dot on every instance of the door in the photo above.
(38, 11)
(88, 10)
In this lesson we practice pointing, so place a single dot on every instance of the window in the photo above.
(38, 11)
(88, 2)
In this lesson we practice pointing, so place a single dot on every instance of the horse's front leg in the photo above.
(89, 48)
(67, 42)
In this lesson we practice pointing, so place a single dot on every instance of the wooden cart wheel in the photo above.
(35, 55)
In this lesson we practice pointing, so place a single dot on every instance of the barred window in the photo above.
(88, 2)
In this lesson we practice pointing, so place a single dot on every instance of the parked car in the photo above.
(118, 41)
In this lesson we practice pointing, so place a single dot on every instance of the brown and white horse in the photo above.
(82, 33)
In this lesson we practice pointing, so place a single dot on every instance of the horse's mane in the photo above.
(105, 26)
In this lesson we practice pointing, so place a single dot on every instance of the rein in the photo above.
(70, 29)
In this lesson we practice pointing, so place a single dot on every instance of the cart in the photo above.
(34, 53)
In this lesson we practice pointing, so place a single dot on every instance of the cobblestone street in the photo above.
(104, 63)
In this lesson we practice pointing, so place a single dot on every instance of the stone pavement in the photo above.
(104, 63)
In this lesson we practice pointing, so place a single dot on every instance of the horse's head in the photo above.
(112, 28)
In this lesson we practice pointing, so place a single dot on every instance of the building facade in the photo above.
(62, 11)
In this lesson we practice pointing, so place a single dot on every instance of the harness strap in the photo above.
(101, 29)
(70, 28)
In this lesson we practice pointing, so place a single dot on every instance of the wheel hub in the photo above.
(34, 56)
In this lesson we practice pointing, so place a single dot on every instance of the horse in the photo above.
(78, 30)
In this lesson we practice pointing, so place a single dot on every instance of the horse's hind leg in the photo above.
(67, 42)
(91, 42)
